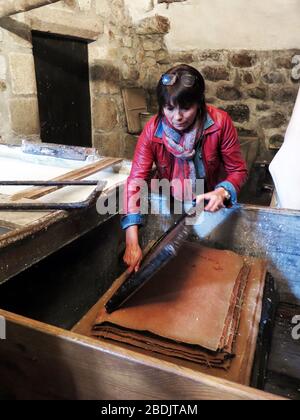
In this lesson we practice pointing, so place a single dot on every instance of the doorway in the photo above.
(62, 73)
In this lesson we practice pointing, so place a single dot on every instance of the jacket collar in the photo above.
(159, 130)
(209, 122)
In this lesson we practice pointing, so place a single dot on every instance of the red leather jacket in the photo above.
(221, 154)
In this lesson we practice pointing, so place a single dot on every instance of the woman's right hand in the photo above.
(133, 254)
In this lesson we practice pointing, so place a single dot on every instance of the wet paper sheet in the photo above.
(192, 309)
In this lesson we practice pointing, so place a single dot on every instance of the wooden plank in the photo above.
(134, 103)
(15, 220)
(42, 362)
(77, 174)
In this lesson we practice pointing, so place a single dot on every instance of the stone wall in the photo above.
(225, 24)
(114, 64)
(19, 115)
(120, 55)
(255, 87)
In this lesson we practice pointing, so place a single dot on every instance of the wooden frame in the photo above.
(87, 369)
(40, 234)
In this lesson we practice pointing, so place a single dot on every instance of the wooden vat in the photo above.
(26, 237)
(42, 357)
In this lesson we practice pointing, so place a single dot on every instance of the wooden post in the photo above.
(11, 7)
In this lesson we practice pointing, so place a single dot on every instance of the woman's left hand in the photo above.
(215, 200)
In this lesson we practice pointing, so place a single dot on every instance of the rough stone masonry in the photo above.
(257, 88)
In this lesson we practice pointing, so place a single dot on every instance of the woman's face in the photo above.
(181, 118)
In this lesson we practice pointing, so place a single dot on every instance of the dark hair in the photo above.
(180, 95)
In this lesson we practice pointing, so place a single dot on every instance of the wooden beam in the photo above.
(77, 174)
(11, 7)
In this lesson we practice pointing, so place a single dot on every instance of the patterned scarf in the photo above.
(182, 147)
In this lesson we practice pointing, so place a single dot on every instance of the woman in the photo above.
(187, 139)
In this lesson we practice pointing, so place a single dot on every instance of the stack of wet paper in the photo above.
(204, 307)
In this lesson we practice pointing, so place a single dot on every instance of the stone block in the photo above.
(243, 60)
(105, 114)
(273, 77)
(152, 44)
(273, 120)
(105, 78)
(105, 87)
(210, 55)
(215, 74)
(153, 25)
(16, 32)
(130, 145)
(276, 141)
(286, 94)
(284, 62)
(262, 107)
(3, 67)
(130, 74)
(84, 5)
(257, 93)
(239, 113)
(109, 144)
(248, 78)
(103, 8)
(3, 85)
(24, 116)
(22, 73)
(182, 57)
(79, 25)
(244, 132)
(162, 57)
(127, 42)
(228, 93)
(63, 5)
